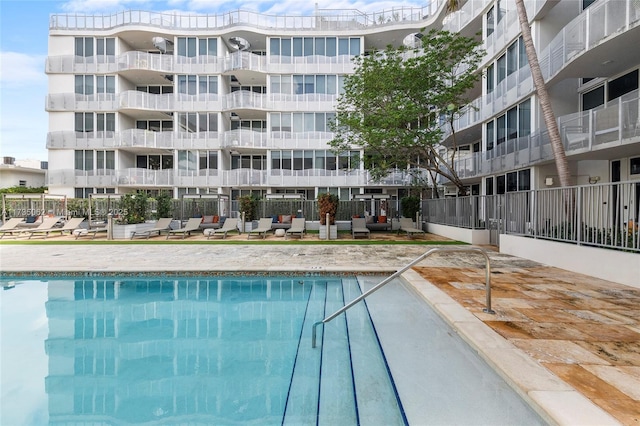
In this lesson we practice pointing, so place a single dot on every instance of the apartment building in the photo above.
(239, 102)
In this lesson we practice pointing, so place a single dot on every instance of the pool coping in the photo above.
(552, 398)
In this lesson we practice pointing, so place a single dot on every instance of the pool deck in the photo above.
(568, 343)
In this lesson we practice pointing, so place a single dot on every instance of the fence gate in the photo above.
(495, 218)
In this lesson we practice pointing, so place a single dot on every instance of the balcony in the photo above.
(616, 124)
(299, 140)
(598, 22)
(80, 178)
(145, 177)
(316, 177)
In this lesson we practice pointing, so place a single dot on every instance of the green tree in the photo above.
(164, 205)
(396, 102)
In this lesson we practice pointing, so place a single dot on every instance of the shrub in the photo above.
(328, 203)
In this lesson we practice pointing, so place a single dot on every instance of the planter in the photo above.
(333, 232)
(125, 231)
(248, 226)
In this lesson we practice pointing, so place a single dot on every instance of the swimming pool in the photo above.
(223, 350)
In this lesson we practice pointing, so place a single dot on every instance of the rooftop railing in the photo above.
(322, 19)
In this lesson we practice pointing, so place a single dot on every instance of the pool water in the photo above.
(191, 350)
(237, 350)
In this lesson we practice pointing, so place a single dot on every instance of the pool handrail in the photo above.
(402, 270)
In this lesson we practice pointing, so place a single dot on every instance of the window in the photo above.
(22, 183)
(490, 135)
(154, 162)
(84, 85)
(622, 85)
(502, 68)
(187, 46)
(208, 84)
(83, 122)
(208, 160)
(634, 166)
(84, 46)
(490, 78)
(593, 98)
(105, 160)
(524, 118)
(489, 186)
(587, 3)
(84, 160)
(105, 46)
(512, 58)
(524, 180)
(187, 84)
(500, 184)
(208, 47)
(105, 84)
(106, 122)
(490, 21)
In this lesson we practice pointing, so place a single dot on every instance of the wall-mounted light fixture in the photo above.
(548, 181)
(594, 179)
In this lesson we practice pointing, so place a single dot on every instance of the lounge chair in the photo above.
(297, 228)
(70, 225)
(80, 232)
(230, 224)
(406, 225)
(10, 225)
(47, 222)
(359, 228)
(163, 224)
(192, 225)
(264, 226)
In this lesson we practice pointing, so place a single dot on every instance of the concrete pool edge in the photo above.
(552, 398)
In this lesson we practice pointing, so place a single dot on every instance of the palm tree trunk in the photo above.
(559, 155)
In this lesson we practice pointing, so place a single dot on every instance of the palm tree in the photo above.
(562, 164)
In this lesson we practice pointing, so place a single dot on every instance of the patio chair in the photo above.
(70, 225)
(163, 224)
(264, 226)
(359, 228)
(192, 225)
(47, 222)
(93, 232)
(230, 225)
(406, 225)
(10, 225)
(297, 228)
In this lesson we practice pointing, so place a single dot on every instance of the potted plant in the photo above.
(248, 204)
(328, 205)
(132, 215)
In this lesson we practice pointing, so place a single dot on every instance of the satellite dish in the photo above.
(161, 43)
(413, 40)
(239, 43)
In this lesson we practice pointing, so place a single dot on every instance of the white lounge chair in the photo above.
(47, 222)
(70, 226)
(297, 228)
(80, 232)
(230, 224)
(264, 226)
(10, 225)
(162, 225)
(359, 228)
(406, 225)
(192, 225)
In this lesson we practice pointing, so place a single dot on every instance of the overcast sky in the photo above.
(24, 26)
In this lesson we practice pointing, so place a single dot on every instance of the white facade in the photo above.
(239, 102)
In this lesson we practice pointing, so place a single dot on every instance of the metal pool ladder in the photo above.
(399, 272)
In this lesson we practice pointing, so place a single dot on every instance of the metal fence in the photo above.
(604, 215)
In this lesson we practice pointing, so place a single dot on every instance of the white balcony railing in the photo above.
(599, 21)
(615, 124)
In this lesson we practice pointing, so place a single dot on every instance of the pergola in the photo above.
(38, 205)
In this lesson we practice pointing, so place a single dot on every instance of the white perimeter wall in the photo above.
(470, 236)
(611, 265)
